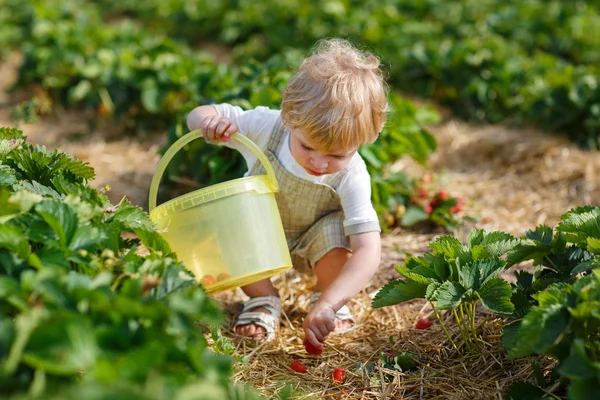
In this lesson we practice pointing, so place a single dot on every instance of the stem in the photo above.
(551, 263)
(473, 330)
(461, 328)
(39, 383)
(444, 328)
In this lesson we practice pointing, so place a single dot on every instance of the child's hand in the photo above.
(217, 128)
(319, 322)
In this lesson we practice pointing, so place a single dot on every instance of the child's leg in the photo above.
(260, 288)
(326, 269)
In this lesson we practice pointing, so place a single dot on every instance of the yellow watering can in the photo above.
(229, 234)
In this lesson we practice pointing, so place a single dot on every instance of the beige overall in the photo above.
(311, 212)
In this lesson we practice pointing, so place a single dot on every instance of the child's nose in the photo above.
(319, 162)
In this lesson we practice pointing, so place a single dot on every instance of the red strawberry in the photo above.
(310, 349)
(422, 192)
(298, 366)
(428, 209)
(423, 324)
(338, 375)
(442, 195)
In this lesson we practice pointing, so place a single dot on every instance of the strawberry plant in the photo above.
(565, 324)
(84, 313)
(554, 309)
(456, 277)
(559, 256)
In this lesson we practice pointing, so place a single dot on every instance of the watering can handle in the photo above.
(166, 158)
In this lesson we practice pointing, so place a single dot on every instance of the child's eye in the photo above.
(305, 147)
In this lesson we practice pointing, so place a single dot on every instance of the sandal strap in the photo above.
(271, 303)
(267, 320)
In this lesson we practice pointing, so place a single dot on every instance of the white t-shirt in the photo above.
(258, 124)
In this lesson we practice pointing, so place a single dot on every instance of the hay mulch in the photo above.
(441, 373)
(511, 179)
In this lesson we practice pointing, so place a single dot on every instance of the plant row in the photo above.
(532, 62)
(123, 71)
(552, 308)
(93, 304)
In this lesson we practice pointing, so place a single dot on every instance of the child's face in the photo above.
(315, 161)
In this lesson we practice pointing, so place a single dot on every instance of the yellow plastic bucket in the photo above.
(229, 234)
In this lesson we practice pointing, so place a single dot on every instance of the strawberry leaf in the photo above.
(61, 218)
(7, 176)
(495, 295)
(13, 239)
(413, 216)
(578, 365)
(447, 245)
(475, 237)
(449, 295)
(581, 223)
(398, 291)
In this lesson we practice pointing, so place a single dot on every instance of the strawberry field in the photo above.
(484, 179)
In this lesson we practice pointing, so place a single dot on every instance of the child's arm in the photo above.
(356, 273)
(214, 126)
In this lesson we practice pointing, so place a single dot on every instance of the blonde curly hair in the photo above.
(337, 98)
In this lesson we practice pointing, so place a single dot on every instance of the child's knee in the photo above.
(334, 259)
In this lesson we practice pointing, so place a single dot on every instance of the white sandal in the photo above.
(343, 314)
(267, 320)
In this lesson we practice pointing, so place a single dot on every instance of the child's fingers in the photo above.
(233, 128)
(207, 127)
(310, 336)
(223, 129)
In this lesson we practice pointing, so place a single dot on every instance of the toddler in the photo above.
(335, 103)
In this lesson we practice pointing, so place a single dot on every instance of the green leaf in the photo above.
(80, 91)
(495, 244)
(417, 272)
(449, 295)
(447, 245)
(475, 237)
(8, 287)
(510, 341)
(581, 223)
(578, 365)
(593, 245)
(398, 291)
(583, 267)
(524, 252)
(61, 218)
(7, 176)
(542, 327)
(431, 292)
(427, 115)
(586, 389)
(87, 237)
(63, 345)
(370, 157)
(414, 215)
(37, 188)
(522, 390)
(150, 96)
(495, 295)
(405, 362)
(14, 239)
(542, 235)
